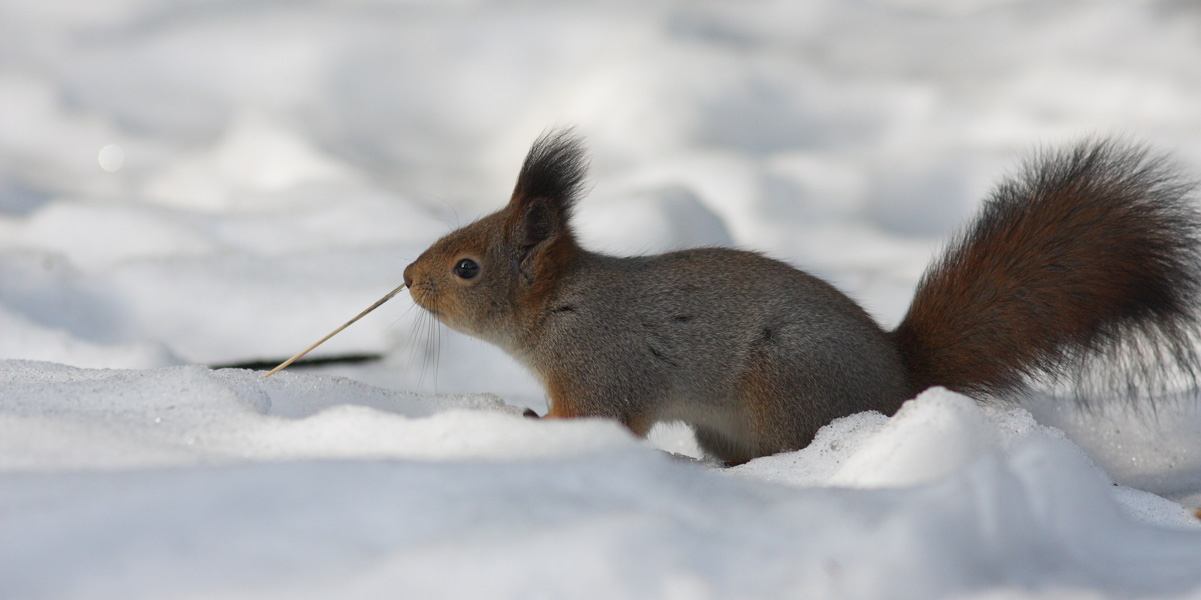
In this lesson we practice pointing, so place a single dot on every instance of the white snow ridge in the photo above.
(190, 184)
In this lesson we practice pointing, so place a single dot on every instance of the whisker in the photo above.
(429, 333)
(406, 347)
(413, 345)
(437, 354)
(402, 316)
(431, 355)
(453, 211)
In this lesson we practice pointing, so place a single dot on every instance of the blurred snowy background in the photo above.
(212, 183)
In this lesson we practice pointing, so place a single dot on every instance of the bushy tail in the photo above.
(1090, 257)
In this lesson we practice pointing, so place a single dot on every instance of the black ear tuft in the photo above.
(554, 171)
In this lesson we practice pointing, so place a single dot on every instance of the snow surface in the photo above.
(199, 183)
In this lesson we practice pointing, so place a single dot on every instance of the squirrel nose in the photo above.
(408, 276)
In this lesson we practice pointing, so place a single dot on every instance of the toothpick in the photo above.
(335, 332)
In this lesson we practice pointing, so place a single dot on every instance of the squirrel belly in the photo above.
(1090, 256)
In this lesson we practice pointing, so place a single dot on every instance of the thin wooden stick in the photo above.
(335, 332)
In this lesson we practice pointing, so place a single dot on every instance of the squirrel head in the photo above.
(487, 277)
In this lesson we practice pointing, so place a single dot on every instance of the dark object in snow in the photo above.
(1089, 257)
(342, 359)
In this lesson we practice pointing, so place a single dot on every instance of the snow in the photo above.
(191, 184)
(182, 481)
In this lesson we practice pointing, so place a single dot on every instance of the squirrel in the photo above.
(1089, 254)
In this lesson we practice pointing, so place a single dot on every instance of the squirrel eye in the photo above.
(466, 268)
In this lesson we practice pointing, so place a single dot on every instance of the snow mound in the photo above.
(222, 483)
(56, 417)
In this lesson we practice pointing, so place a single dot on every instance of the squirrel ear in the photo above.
(547, 188)
(536, 222)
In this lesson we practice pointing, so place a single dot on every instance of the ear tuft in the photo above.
(554, 171)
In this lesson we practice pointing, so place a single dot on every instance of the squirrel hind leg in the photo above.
(721, 447)
(762, 418)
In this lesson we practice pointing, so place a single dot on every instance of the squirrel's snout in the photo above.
(408, 277)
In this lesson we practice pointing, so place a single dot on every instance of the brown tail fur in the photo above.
(1090, 254)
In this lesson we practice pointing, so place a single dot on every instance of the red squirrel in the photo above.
(1090, 254)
